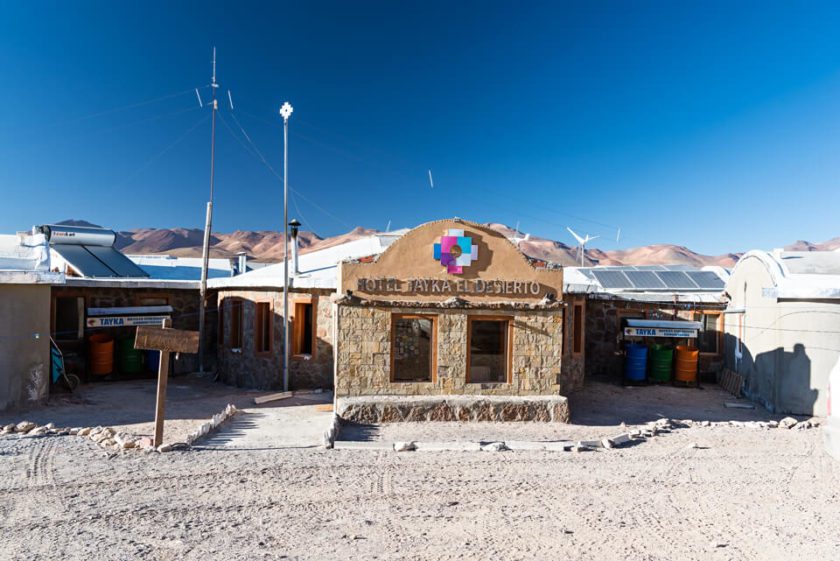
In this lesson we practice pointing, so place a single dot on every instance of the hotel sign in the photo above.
(660, 332)
(453, 287)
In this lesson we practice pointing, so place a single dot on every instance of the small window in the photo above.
(413, 348)
(489, 343)
(69, 318)
(708, 340)
(303, 329)
(263, 332)
(235, 340)
(577, 330)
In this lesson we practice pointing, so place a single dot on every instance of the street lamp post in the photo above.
(286, 112)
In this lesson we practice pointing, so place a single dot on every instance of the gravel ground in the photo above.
(738, 494)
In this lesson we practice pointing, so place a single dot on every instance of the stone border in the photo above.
(332, 433)
(466, 408)
(206, 428)
(637, 435)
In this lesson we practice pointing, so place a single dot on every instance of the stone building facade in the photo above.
(604, 347)
(242, 362)
(71, 302)
(364, 360)
(487, 324)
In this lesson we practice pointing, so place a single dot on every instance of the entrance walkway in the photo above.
(290, 423)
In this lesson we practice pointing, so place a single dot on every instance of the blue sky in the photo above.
(714, 125)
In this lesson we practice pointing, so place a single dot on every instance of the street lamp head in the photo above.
(295, 226)
(286, 111)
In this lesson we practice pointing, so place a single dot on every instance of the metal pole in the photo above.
(285, 254)
(208, 225)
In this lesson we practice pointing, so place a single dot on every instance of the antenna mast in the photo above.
(208, 221)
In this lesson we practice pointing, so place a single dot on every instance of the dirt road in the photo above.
(741, 494)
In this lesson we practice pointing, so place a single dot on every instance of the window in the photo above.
(577, 330)
(235, 340)
(708, 340)
(263, 332)
(488, 341)
(303, 329)
(413, 343)
(69, 318)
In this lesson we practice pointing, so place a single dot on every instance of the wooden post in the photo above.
(163, 378)
(165, 340)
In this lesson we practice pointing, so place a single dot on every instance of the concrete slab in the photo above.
(291, 423)
(363, 445)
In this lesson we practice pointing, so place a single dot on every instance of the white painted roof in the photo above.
(169, 267)
(800, 275)
(318, 269)
(25, 259)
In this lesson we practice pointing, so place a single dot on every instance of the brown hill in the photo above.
(266, 245)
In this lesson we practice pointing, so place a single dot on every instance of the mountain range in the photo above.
(265, 245)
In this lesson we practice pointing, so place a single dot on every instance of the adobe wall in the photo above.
(249, 369)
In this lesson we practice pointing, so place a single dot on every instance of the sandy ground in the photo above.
(737, 494)
(129, 406)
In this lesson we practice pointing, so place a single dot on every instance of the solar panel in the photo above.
(706, 280)
(613, 279)
(677, 280)
(645, 280)
(121, 265)
(83, 260)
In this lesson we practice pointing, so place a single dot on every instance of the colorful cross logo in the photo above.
(456, 251)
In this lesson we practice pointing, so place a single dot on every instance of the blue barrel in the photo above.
(152, 360)
(635, 366)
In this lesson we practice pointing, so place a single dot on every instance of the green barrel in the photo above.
(661, 357)
(129, 359)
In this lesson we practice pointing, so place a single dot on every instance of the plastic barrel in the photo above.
(152, 361)
(101, 354)
(661, 357)
(635, 365)
(686, 364)
(129, 359)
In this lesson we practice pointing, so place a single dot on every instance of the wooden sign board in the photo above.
(169, 340)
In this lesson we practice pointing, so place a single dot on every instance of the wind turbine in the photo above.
(581, 243)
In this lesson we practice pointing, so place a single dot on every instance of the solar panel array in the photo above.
(99, 261)
(654, 277)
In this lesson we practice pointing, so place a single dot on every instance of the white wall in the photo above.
(789, 347)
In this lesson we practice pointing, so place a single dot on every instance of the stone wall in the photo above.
(245, 367)
(184, 302)
(364, 353)
(603, 329)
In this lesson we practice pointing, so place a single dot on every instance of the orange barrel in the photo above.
(101, 354)
(686, 364)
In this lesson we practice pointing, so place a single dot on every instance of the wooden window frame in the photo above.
(270, 350)
(434, 345)
(82, 317)
(297, 333)
(236, 301)
(220, 313)
(578, 331)
(509, 361)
